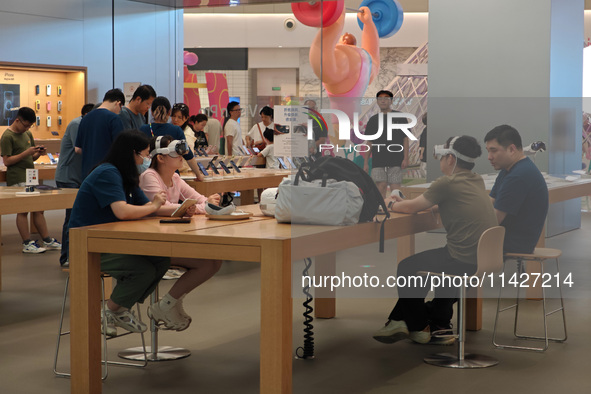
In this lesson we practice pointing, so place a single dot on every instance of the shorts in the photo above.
(391, 175)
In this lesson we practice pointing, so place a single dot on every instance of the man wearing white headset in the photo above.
(466, 212)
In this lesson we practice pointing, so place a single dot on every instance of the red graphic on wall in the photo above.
(217, 90)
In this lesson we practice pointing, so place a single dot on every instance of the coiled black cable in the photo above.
(307, 351)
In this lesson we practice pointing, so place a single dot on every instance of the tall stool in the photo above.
(105, 362)
(540, 255)
(154, 352)
(489, 260)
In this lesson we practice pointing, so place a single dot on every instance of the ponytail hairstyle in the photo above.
(161, 109)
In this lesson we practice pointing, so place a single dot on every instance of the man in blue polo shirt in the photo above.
(98, 130)
(520, 194)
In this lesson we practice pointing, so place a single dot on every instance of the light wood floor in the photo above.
(224, 335)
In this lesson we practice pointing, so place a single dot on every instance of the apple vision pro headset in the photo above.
(440, 150)
(174, 149)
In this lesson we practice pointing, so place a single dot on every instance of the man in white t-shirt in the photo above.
(255, 135)
(232, 131)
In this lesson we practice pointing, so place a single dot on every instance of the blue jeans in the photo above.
(65, 232)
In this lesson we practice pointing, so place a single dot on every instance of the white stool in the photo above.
(105, 362)
(540, 255)
(154, 352)
(489, 259)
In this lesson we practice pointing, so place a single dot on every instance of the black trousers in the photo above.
(64, 256)
(411, 305)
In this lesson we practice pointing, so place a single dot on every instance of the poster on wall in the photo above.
(10, 96)
(129, 89)
(291, 138)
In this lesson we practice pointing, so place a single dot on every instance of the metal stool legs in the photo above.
(461, 360)
(545, 338)
(155, 352)
(105, 362)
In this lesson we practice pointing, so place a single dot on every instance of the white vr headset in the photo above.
(440, 151)
(176, 148)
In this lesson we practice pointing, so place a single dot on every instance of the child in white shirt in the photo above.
(269, 151)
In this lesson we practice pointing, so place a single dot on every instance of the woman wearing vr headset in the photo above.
(466, 212)
(161, 111)
(167, 157)
(111, 193)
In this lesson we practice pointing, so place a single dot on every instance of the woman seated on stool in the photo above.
(166, 159)
(111, 193)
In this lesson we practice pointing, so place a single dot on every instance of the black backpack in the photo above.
(341, 169)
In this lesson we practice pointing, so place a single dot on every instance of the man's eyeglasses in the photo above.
(237, 109)
(26, 125)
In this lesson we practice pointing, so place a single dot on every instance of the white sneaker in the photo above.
(169, 316)
(32, 247)
(111, 330)
(393, 331)
(212, 209)
(126, 320)
(179, 307)
(52, 245)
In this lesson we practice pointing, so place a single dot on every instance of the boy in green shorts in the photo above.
(19, 152)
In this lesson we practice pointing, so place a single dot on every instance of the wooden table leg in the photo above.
(0, 252)
(85, 284)
(276, 318)
(246, 197)
(474, 309)
(325, 300)
(405, 247)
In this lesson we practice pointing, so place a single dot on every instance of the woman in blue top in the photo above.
(111, 193)
(161, 111)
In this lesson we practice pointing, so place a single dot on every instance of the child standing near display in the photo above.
(19, 152)
(269, 152)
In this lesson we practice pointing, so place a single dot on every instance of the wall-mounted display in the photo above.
(24, 84)
(10, 100)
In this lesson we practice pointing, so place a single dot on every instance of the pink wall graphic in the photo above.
(217, 89)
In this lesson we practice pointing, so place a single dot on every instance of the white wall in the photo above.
(267, 31)
(148, 41)
(276, 77)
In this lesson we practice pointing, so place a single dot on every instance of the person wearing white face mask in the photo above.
(466, 212)
(166, 159)
(111, 193)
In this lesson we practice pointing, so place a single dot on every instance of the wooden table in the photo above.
(272, 244)
(46, 172)
(245, 182)
(10, 203)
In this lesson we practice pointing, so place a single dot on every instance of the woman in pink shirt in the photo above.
(161, 176)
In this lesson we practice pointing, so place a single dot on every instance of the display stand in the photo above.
(56, 93)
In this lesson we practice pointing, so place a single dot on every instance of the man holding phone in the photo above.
(19, 153)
